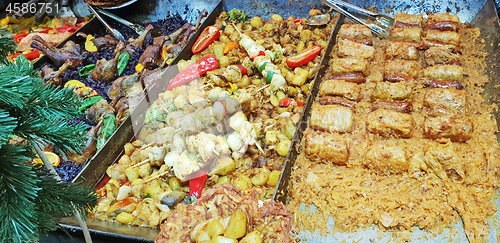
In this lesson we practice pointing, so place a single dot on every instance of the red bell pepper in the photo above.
(304, 56)
(30, 56)
(285, 102)
(197, 184)
(45, 31)
(297, 21)
(209, 35)
(261, 53)
(194, 71)
(66, 28)
(19, 37)
(243, 70)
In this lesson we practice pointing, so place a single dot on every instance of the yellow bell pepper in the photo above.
(89, 45)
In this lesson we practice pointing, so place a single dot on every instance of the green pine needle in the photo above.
(6, 45)
(64, 135)
(18, 190)
(52, 200)
(7, 125)
(51, 101)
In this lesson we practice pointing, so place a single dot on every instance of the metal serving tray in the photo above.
(94, 170)
(480, 14)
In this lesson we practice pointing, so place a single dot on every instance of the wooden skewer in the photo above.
(206, 85)
(147, 145)
(164, 109)
(258, 146)
(265, 86)
(158, 176)
(237, 29)
(141, 163)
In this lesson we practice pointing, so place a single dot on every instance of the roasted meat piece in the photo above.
(407, 34)
(457, 128)
(271, 219)
(452, 100)
(331, 118)
(401, 50)
(342, 88)
(399, 106)
(390, 123)
(355, 31)
(448, 37)
(353, 49)
(349, 65)
(440, 17)
(441, 55)
(70, 52)
(409, 68)
(444, 72)
(336, 100)
(386, 159)
(332, 147)
(392, 91)
(408, 20)
(105, 70)
(151, 56)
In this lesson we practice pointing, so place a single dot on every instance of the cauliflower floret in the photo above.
(184, 166)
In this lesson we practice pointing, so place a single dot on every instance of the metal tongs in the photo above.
(114, 32)
(377, 23)
(137, 28)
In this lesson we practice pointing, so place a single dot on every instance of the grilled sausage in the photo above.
(367, 42)
(433, 83)
(350, 77)
(336, 100)
(399, 106)
(443, 26)
(397, 78)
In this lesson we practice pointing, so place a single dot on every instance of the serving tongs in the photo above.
(377, 23)
(114, 32)
(137, 28)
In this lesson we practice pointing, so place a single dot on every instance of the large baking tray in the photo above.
(480, 14)
(94, 171)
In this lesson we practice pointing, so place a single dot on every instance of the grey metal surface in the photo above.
(280, 194)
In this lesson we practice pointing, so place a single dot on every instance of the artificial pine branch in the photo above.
(7, 125)
(51, 101)
(18, 190)
(6, 45)
(65, 136)
(53, 200)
